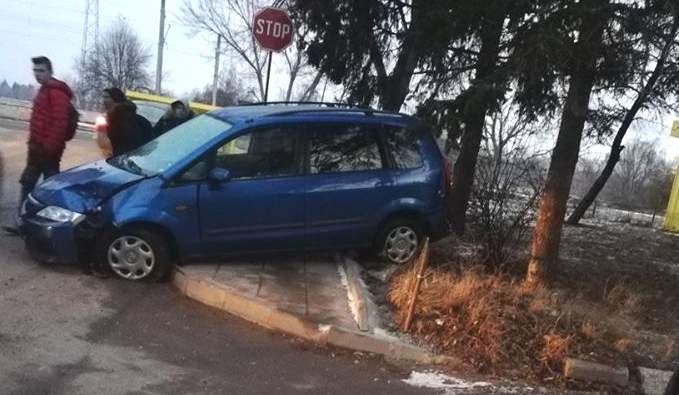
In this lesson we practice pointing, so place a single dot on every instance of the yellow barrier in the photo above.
(197, 107)
(672, 214)
(671, 222)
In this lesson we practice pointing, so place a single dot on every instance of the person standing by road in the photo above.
(177, 114)
(53, 122)
(50, 126)
(126, 129)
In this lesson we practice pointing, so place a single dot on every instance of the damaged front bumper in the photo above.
(55, 242)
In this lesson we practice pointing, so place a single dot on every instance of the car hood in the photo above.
(83, 188)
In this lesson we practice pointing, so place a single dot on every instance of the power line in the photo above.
(25, 34)
(30, 20)
(172, 49)
(52, 7)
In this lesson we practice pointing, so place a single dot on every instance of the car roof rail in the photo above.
(365, 111)
(302, 103)
(323, 107)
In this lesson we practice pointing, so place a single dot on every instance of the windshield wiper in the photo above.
(126, 163)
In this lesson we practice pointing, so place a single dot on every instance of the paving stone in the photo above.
(654, 381)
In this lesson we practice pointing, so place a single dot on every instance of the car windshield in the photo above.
(160, 154)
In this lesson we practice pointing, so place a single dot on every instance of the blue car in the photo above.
(256, 178)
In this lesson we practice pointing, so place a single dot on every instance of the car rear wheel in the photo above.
(136, 254)
(400, 239)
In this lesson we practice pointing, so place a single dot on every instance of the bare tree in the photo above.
(230, 90)
(119, 60)
(232, 19)
(654, 87)
(637, 181)
(508, 182)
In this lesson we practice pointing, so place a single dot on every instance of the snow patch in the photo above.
(436, 380)
(345, 283)
(384, 334)
(384, 274)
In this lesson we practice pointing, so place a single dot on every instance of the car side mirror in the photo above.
(219, 175)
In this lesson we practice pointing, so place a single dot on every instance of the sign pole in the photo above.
(268, 74)
(272, 30)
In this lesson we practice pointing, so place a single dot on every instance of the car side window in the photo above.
(344, 148)
(402, 146)
(271, 152)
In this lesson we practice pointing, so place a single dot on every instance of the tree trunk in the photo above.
(617, 147)
(474, 116)
(600, 182)
(395, 88)
(547, 233)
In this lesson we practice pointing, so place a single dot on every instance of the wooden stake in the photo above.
(421, 265)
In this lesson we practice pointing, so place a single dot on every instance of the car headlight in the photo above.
(58, 214)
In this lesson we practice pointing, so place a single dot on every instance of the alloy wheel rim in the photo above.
(131, 258)
(401, 244)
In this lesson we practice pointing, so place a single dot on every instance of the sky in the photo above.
(54, 28)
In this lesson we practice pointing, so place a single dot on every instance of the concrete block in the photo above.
(246, 308)
(205, 293)
(358, 341)
(400, 350)
(596, 372)
(357, 296)
(293, 325)
(179, 279)
(654, 381)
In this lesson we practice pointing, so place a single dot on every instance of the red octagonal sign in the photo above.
(272, 28)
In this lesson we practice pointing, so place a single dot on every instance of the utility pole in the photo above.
(90, 28)
(90, 42)
(161, 46)
(215, 82)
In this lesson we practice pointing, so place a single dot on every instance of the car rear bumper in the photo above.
(439, 226)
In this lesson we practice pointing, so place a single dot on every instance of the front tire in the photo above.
(135, 255)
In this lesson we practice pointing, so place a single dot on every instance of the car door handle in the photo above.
(180, 208)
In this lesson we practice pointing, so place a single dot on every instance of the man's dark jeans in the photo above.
(37, 165)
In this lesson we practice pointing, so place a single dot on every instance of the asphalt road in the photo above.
(64, 332)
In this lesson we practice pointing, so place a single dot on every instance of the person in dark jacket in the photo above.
(49, 126)
(126, 129)
(177, 114)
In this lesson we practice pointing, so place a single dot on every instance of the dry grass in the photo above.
(495, 324)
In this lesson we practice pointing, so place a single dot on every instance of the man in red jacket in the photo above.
(48, 126)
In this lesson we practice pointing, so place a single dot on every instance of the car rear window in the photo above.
(402, 146)
(344, 148)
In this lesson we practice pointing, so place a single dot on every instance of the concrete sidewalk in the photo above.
(308, 288)
(302, 297)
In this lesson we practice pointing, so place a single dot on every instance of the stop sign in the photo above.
(272, 28)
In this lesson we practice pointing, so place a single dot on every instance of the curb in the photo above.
(213, 294)
(596, 372)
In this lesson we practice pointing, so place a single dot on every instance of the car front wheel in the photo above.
(136, 255)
